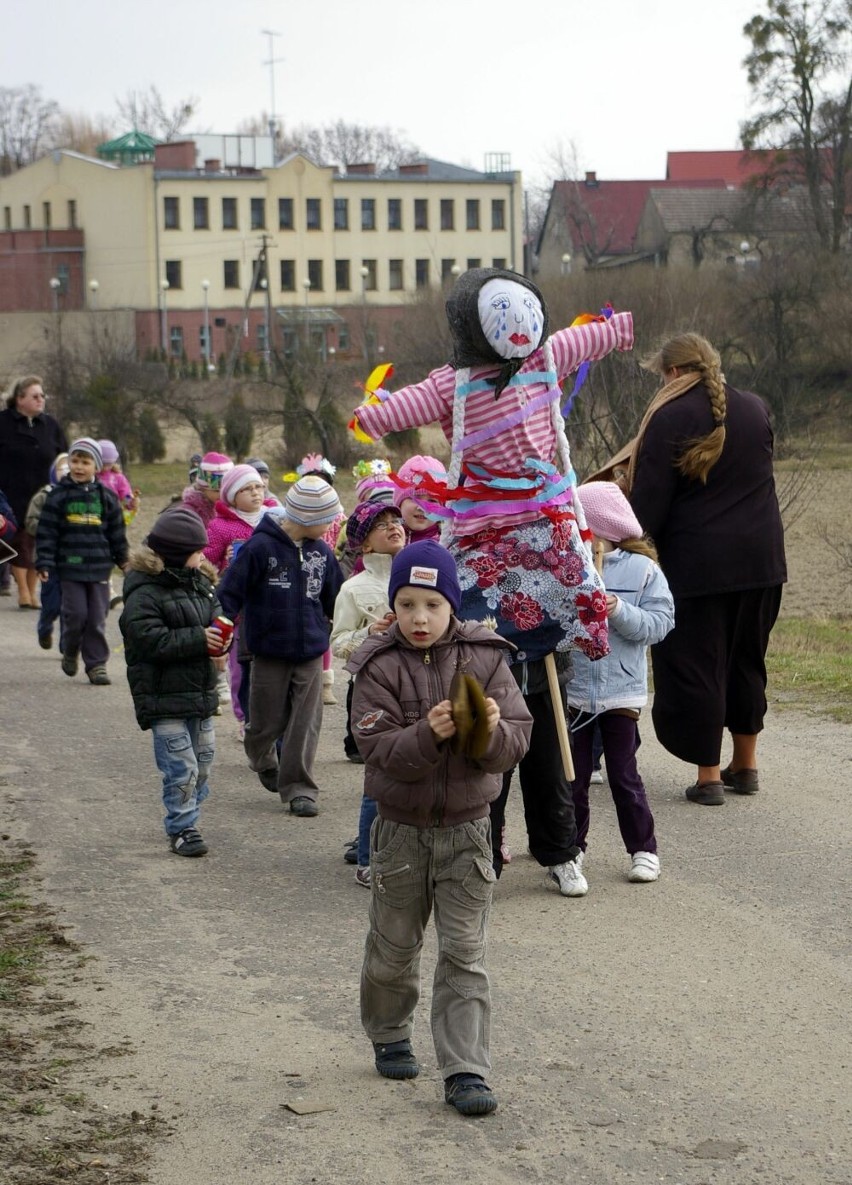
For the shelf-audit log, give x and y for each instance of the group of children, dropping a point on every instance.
(231, 552)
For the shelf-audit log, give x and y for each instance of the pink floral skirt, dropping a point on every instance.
(536, 581)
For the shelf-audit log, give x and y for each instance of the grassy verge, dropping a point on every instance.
(50, 1131)
(808, 665)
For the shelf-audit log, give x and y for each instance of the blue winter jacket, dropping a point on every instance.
(283, 592)
(644, 615)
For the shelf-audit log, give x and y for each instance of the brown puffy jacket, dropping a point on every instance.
(414, 777)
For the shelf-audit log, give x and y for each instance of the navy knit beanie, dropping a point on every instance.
(425, 565)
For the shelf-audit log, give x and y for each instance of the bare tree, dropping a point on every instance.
(27, 126)
(146, 111)
(343, 144)
(81, 132)
(798, 50)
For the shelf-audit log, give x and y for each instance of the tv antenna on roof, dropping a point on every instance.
(271, 63)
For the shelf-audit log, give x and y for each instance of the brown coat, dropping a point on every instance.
(414, 777)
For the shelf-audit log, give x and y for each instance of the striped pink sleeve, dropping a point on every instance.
(411, 407)
(582, 343)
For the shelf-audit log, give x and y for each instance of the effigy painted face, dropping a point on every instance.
(511, 317)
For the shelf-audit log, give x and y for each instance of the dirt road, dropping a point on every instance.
(691, 1032)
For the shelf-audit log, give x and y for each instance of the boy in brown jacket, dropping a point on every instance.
(430, 846)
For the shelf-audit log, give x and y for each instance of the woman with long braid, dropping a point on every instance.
(700, 481)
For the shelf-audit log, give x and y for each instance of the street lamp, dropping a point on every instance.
(263, 283)
(164, 318)
(566, 264)
(55, 285)
(205, 288)
(93, 289)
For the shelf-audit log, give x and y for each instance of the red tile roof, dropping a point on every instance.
(735, 167)
(605, 214)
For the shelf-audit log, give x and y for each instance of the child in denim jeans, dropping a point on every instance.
(430, 846)
(169, 607)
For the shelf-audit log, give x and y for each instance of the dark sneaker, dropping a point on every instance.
(394, 1059)
(188, 843)
(706, 793)
(114, 602)
(355, 758)
(305, 808)
(70, 664)
(350, 855)
(469, 1094)
(269, 778)
(744, 781)
(99, 676)
(45, 641)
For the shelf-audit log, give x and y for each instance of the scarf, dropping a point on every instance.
(622, 467)
(252, 517)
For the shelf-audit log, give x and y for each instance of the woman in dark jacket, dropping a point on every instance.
(29, 441)
(701, 483)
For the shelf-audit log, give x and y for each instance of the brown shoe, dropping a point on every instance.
(706, 793)
(744, 781)
(99, 677)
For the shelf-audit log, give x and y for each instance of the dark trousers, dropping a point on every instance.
(51, 606)
(710, 672)
(548, 802)
(84, 609)
(620, 737)
(349, 746)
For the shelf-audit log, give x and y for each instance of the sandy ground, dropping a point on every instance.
(694, 1031)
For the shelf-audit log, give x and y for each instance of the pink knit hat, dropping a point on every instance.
(237, 479)
(608, 512)
(213, 468)
(407, 472)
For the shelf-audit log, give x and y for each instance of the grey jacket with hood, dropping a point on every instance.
(414, 777)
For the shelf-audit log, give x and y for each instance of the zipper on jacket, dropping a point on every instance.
(440, 798)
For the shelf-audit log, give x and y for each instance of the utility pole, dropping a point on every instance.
(271, 63)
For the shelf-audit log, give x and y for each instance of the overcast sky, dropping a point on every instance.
(622, 81)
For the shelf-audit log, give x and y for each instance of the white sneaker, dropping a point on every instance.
(570, 879)
(597, 778)
(223, 688)
(644, 867)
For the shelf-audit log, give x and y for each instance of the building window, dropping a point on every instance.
(176, 341)
(288, 275)
(448, 214)
(45, 206)
(368, 213)
(72, 215)
(313, 213)
(259, 277)
(501, 263)
(395, 274)
(28, 218)
(229, 214)
(285, 213)
(200, 214)
(262, 343)
(369, 275)
(342, 275)
(174, 273)
(394, 213)
(63, 275)
(7, 217)
(289, 342)
(341, 213)
(315, 274)
(421, 273)
(498, 214)
(472, 213)
(474, 263)
(258, 213)
(447, 266)
(421, 214)
(231, 273)
(171, 213)
(343, 339)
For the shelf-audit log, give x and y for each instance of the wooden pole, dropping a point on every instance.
(558, 701)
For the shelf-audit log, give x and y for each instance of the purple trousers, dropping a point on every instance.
(620, 736)
(84, 611)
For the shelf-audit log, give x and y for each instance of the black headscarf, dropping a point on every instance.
(470, 345)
